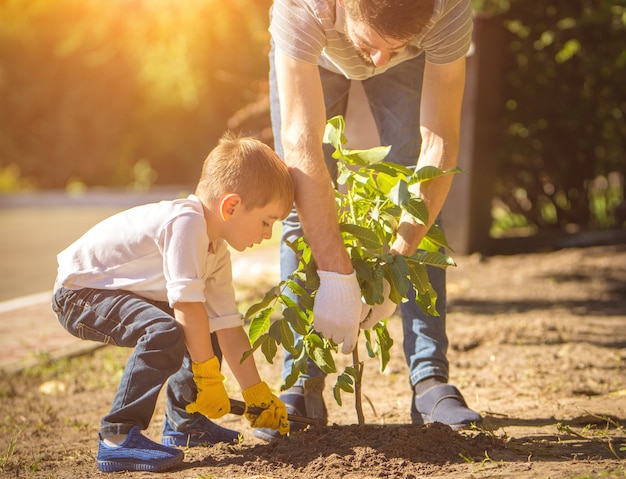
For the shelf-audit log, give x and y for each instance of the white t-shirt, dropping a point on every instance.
(312, 31)
(160, 251)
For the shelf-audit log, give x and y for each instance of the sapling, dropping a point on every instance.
(370, 197)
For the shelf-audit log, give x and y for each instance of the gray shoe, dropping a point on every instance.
(444, 404)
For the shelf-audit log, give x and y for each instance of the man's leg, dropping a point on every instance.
(395, 98)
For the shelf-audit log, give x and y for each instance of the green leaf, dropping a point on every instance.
(384, 342)
(392, 169)
(269, 349)
(429, 172)
(270, 296)
(373, 290)
(399, 194)
(396, 273)
(364, 235)
(365, 157)
(344, 383)
(259, 324)
(434, 239)
(333, 133)
(385, 182)
(319, 354)
(302, 359)
(433, 258)
(282, 334)
(418, 210)
(291, 378)
(426, 296)
(255, 346)
(297, 319)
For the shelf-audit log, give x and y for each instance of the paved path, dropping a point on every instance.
(34, 230)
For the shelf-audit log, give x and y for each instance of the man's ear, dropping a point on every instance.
(229, 204)
(341, 4)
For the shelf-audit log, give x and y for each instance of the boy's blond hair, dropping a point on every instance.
(249, 168)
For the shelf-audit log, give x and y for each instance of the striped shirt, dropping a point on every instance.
(312, 31)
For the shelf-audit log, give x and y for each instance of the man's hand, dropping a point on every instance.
(372, 314)
(212, 399)
(337, 308)
(274, 415)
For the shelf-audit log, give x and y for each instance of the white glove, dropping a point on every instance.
(337, 308)
(372, 314)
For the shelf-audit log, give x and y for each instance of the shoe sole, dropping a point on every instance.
(420, 421)
(172, 441)
(119, 466)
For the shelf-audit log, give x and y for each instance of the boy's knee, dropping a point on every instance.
(168, 337)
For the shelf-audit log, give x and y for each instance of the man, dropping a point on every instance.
(410, 57)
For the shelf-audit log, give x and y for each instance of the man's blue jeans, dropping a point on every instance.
(124, 319)
(394, 98)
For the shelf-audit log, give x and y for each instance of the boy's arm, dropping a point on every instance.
(256, 393)
(193, 318)
(211, 397)
(234, 342)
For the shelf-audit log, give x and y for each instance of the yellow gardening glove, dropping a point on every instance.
(275, 414)
(212, 399)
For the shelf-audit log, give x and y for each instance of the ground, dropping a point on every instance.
(537, 345)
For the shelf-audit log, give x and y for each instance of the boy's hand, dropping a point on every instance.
(275, 414)
(212, 399)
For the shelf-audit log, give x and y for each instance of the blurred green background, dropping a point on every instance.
(134, 93)
(123, 92)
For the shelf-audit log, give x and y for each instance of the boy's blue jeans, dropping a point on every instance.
(394, 98)
(125, 319)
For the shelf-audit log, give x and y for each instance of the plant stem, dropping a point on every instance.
(358, 403)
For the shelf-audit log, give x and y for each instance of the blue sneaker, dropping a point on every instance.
(137, 453)
(200, 431)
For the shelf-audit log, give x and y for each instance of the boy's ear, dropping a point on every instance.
(229, 203)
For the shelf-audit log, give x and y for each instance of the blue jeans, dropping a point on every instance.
(125, 319)
(394, 99)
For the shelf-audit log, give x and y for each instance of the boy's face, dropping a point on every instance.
(244, 228)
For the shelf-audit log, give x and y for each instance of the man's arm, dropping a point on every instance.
(440, 118)
(303, 121)
(337, 307)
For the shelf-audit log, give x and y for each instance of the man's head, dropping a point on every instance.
(381, 28)
(245, 182)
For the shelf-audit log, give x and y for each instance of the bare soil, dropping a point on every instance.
(537, 345)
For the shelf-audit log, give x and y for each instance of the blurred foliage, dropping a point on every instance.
(124, 92)
(136, 92)
(563, 155)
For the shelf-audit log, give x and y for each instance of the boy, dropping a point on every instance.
(158, 278)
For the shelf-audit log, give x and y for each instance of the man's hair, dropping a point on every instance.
(397, 19)
(249, 168)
